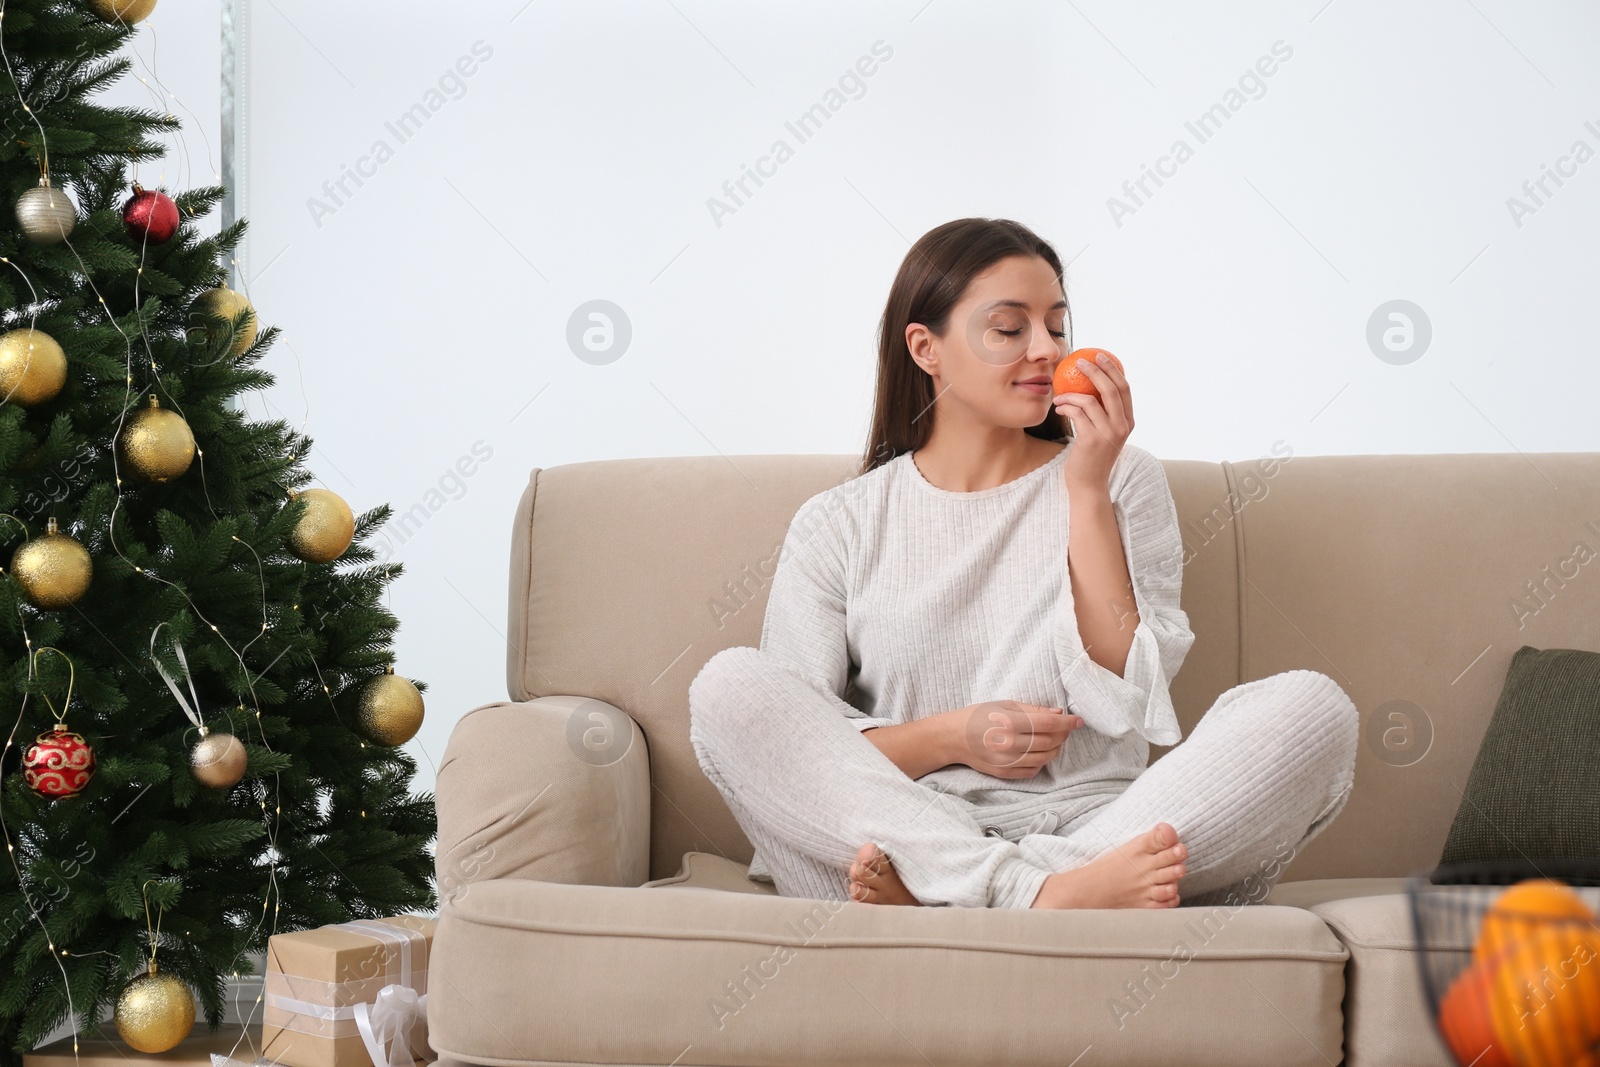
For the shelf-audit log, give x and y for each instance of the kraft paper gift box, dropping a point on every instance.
(349, 995)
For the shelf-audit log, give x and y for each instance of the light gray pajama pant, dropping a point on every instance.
(1266, 769)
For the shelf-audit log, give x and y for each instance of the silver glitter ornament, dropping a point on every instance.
(46, 214)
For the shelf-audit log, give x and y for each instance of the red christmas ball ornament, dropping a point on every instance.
(58, 764)
(150, 215)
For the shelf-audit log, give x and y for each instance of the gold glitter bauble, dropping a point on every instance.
(326, 527)
(218, 761)
(46, 214)
(218, 307)
(156, 443)
(53, 569)
(32, 367)
(389, 709)
(155, 1011)
(129, 11)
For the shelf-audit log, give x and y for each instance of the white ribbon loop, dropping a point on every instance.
(386, 1025)
(191, 710)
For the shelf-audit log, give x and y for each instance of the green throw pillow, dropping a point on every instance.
(1531, 804)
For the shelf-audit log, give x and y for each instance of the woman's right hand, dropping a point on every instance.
(1007, 738)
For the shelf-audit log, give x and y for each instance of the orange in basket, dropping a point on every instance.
(1069, 378)
(1544, 1000)
(1465, 1019)
(1532, 904)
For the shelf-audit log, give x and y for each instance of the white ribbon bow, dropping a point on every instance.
(386, 1024)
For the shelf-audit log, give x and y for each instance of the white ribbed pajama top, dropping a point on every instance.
(930, 600)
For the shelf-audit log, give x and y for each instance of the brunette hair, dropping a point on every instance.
(931, 280)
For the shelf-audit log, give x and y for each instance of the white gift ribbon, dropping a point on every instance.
(388, 1023)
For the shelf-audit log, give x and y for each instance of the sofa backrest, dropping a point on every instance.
(1409, 579)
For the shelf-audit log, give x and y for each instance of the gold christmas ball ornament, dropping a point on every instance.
(46, 214)
(32, 367)
(156, 443)
(125, 11)
(155, 1011)
(218, 761)
(53, 569)
(389, 709)
(217, 308)
(326, 527)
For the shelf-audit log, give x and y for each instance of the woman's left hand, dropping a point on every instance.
(1100, 424)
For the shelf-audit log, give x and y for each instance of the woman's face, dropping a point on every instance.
(1007, 328)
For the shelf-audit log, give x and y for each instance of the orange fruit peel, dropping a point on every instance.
(1527, 906)
(1069, 378)
(1466, 1017)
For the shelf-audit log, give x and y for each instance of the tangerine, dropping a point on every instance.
(1068, 378)
(1465, 1019)
(1544, 1000)
(1527, 906)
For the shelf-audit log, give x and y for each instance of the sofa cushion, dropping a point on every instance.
(1312, 891)
(702, 976)
(1386, 1014)
(1531, 791)
(1384, 1004)
(702, 870)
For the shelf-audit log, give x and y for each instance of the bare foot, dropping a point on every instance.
(1141, 873)
(873, 879)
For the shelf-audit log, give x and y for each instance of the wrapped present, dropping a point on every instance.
(349, 995)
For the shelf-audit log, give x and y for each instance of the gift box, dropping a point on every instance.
(349, 995)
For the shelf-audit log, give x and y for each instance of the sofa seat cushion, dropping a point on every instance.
(526, 972)
(702, 870)
(1386, 1011)
(1384, 993)
(1313, 891)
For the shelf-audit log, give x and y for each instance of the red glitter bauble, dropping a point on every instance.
(58, 764)
(150, 215)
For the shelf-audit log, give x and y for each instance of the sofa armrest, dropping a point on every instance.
(555, 789)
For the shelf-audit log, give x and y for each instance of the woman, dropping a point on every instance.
(1007, 690)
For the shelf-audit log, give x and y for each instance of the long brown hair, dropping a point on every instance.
(931, 281)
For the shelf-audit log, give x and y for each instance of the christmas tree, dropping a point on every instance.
(196, 657)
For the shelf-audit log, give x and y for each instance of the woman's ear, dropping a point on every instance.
(920, 344)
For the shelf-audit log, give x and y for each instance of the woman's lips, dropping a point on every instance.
(1036, 388)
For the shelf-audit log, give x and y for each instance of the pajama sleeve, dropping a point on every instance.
(805, 620)
(1139, 700)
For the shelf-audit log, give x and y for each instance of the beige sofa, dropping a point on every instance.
(594, 903)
